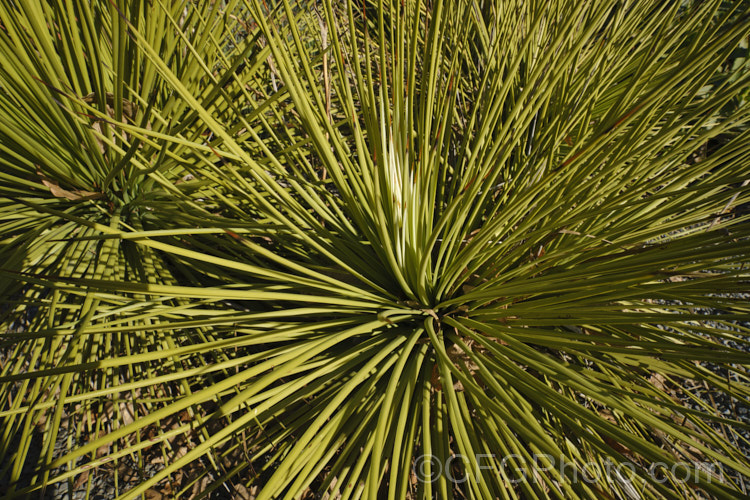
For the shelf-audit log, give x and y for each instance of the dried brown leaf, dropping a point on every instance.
(57, 191)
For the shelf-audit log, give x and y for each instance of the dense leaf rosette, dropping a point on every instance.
(413, 249)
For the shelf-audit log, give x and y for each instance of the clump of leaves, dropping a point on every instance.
(376, 249)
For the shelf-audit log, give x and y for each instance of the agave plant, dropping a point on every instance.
(408, 249)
